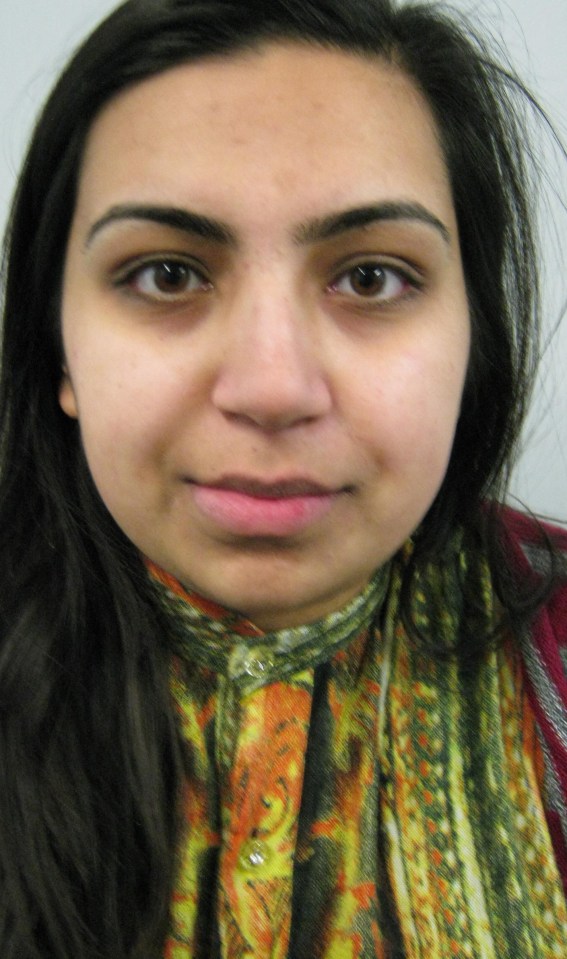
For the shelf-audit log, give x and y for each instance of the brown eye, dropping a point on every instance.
(165, 280)
(170, 277)
(373, 281)
(369, 280)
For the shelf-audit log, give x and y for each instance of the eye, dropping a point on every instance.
(165, 280)
(376, 282)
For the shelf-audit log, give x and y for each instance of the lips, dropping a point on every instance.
(271, 490)
(249, 506)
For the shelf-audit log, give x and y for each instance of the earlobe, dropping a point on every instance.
(67, 400)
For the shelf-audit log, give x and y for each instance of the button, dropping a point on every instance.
(254, 853)
(256, 666)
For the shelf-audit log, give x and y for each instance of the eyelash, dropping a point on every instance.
(133, 272)
(410, 281)
(131, 276)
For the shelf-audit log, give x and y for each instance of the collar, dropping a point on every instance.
(221, 640)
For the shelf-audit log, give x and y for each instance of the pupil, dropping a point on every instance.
(169, 276)
(368, 279)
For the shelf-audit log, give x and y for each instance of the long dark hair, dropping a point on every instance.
(92, 763)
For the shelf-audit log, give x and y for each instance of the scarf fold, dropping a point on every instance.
(223, 641)
(359, 798)
(469, 854)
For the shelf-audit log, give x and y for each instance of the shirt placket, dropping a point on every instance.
(262, 743)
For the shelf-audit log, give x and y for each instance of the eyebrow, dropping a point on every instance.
(310, 232)
(330, 226)
(193, 223)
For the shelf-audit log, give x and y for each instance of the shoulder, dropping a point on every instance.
(540, 548)
(532, 534)
(537, 546)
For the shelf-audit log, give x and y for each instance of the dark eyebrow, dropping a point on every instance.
(313, 231)
(178, 219)
(330, 226)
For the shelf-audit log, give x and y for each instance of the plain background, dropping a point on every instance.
(36, 37)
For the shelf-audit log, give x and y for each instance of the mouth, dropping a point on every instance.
(248, 506)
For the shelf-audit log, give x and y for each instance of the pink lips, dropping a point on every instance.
(250, 507)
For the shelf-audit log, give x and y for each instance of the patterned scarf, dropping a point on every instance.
(351, 796)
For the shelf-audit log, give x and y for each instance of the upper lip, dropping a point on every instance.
(271, 489)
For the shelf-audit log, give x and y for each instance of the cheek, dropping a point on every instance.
(408, 409)
(120, 402)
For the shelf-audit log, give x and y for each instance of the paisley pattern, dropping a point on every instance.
(375, 803)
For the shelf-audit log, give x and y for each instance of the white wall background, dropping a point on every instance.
(36, 36)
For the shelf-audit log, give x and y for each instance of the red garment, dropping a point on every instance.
(544, 650)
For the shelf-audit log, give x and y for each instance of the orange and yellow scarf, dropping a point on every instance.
(351, 796)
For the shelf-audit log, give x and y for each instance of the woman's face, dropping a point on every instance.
(265, 323)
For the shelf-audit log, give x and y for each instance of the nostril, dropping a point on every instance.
(273, 396)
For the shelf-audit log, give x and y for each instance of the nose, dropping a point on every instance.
(272, 372)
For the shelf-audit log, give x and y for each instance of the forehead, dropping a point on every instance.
(309, 125)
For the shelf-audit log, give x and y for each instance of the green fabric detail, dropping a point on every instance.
(395, 794)
(253, 661)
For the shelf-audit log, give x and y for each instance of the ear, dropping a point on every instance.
(67, 398)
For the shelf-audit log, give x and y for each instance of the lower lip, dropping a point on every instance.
(247, 515)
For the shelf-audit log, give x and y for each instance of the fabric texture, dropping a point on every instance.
(544, 663)
(350, 796)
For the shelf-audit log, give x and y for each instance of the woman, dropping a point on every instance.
(279, 676)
